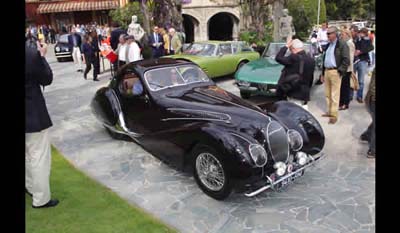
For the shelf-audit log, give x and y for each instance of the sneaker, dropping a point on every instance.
(51, 203)
(370, 154)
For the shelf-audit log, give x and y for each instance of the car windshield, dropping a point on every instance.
(200, 49)
(163, 78)
(63, 38)
(273, 49)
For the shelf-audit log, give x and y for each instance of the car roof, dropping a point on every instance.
(142, 66)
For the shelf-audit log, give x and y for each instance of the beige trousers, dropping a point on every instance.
(77, 56)
(37, 166)
(332, 91)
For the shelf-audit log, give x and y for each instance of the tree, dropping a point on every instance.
(167, 13)
(305, 14)
(346, 9)
(124, 15)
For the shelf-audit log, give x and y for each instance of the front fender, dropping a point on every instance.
(295, 117)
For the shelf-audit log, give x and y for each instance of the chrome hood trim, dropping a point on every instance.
(193, 114)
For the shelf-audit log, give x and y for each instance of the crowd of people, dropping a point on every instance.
(347, 56)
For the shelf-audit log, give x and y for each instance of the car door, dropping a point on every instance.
(140, 114)
(226, 59)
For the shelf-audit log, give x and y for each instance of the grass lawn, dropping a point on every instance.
(86, 207)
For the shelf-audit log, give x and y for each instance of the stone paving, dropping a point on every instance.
(336, 196)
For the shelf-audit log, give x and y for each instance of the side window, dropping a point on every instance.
(225, 49)
(235, 48)
(130, 85)
(246, 47)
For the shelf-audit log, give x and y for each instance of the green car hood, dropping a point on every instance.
(263, 70)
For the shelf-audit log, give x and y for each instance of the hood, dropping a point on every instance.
(263, 70)
(215, 104)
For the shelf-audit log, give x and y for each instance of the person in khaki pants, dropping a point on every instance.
(37, 121)
(335, 63)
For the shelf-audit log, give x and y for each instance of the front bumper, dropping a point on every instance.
(63, 54)
(257, 88)
(272, 184)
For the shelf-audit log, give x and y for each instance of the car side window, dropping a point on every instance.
(225, 49)
(246, 48)
(235, 48)
(130, 85)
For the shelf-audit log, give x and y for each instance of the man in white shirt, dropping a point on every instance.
(121, 50)
(322, 36)
(132, 49)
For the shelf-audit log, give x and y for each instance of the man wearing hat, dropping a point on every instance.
(294, 83)
(335, 63)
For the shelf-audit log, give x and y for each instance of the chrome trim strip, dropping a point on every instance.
(70, 53)
(63, 56)
(272, 184)
(185, 110)
(190, 118)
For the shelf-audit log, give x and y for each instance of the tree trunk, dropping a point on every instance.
(166, 14)
(146, 15)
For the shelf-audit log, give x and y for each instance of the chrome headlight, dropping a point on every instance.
(295, 139)
(243, 83)
(280, 168)
(301, 158)
(258, 154)
(57, 49)
(277, 140)
(66, 49)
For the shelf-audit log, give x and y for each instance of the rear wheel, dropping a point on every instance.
(242, 63)
(211, 172)
(245, 95)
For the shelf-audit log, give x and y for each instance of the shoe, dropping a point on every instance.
(51, 203)
(359, 100)
(84, 76)
(318, 82)
(364, 138)
(343, 107)
(27, 192)
(332, 120)
(370, 154)
(326, 115)
(96, 79)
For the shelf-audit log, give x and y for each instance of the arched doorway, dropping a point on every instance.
(222, 26)
(190, 24)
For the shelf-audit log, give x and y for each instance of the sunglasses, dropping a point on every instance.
(329, 33)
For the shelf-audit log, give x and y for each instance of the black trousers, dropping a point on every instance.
(345, 90)
(120, 63)
(92, 60)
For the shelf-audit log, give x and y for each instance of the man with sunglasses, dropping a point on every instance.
(335, 63)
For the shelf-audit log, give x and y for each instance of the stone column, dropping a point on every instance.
(235, 29)
(203, 31)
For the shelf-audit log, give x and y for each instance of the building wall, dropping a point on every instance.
(203, 10)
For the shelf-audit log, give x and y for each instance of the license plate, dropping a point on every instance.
(290, 180)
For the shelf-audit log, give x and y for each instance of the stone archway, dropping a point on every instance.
(191, 27)
(223, 26)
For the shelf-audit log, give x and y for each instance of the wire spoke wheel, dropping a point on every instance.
(210, 171)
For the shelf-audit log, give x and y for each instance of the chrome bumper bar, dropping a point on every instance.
(273, 183)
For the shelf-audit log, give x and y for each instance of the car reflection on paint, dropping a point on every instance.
(173, 110)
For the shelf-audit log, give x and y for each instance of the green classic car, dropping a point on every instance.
(218, 58)
(260, 77)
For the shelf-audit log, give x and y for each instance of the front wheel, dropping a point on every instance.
(211, 172)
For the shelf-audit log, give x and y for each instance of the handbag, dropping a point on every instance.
(354, 81)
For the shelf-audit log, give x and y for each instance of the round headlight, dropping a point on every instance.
(295, 139)
(280, 168)
(57, 49)
(301, 158)
(243, 83)
(258, 154)
(66, 49)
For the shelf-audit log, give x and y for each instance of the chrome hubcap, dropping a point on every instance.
(210, 171)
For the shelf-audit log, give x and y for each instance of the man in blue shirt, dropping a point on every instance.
(335, 63)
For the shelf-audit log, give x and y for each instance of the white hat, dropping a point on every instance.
(297, 44)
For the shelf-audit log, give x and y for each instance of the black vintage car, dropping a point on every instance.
(62, 49)
(178, 114)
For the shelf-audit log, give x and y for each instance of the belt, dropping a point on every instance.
(333, 68)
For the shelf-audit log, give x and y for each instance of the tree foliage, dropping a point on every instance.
(350, 9)
(124, 14)
(167, 13)
(305, 15)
